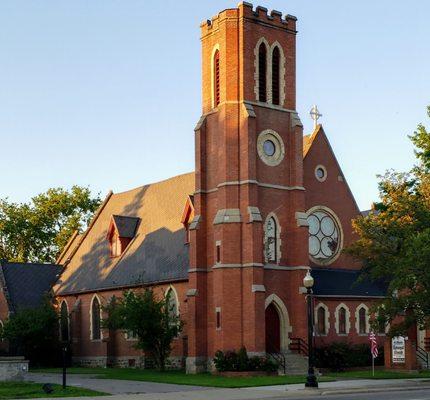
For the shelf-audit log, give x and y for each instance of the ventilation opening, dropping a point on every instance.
(216, 79)
(262, 69)
(275, 76)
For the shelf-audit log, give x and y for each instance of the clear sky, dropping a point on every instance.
(106, 93)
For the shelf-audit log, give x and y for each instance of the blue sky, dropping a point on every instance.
(106, 93)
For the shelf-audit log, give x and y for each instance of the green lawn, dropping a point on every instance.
(179, 377)
(379, 374)
(28, 390)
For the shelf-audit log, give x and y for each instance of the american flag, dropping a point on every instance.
(373, 344)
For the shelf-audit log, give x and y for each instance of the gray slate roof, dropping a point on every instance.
(157, 251)
(27, 284)
(344, 283)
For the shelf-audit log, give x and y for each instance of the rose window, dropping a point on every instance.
(324, 236)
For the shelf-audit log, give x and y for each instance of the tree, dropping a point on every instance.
(37, 231)
(34, 333)
(152, 320)
(394, 241)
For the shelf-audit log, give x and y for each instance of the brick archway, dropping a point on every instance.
(277, 319)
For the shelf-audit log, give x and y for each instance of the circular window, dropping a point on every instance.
(325, 235)
(270, 147)
(320, 173)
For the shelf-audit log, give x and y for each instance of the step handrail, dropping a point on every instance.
(423, 355)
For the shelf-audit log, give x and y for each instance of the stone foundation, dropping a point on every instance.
(13, 368)
(174, 363)
(195, 365)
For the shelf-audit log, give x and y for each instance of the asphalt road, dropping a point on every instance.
(411, 394)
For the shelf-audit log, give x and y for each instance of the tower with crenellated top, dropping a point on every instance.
(247, 253)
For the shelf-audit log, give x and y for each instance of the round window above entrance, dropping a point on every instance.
(325, 235)
(270, 147)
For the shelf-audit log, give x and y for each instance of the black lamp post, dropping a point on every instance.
(311, 380)
(64, 351)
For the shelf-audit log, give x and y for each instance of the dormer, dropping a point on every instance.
(120, 233)
(187, 217)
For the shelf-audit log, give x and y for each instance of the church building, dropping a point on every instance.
(233, 240)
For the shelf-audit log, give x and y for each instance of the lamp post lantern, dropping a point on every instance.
(311, 380)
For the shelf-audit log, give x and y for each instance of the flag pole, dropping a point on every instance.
(373, 366)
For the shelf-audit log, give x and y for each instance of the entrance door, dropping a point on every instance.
(273, 330)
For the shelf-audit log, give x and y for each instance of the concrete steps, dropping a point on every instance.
(291, 363)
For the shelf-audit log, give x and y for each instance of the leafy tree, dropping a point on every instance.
(34, 333)
(394, 241)
(152, 320)
(37, 231)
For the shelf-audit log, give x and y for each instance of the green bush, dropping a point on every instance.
(239, 361)
(339, 356)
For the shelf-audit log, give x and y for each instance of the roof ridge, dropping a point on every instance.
(154, 183)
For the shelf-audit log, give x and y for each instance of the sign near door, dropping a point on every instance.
(398, 350)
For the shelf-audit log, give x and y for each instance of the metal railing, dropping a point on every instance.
(300, 346)
(278, 357)
(423, 356)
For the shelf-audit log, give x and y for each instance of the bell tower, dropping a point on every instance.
(248, 239)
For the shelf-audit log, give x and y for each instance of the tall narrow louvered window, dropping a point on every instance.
(275, 75)
(216, 76)
(262, 70)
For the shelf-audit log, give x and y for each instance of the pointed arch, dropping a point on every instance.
(284, 318)
(322, 319)
(95, 318)
(172, 294)
(215, 76)
(362, 319)
(276, 75)
(261, 68)
(272, 239)
(64, 321)
(343, 319)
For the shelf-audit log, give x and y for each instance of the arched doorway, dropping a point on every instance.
(273, 330)
(277, 325)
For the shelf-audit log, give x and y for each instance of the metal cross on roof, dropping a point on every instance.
(315, 115)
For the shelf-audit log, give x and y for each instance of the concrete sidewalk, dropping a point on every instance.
(342, 386)
(159, 391)
(111, 386)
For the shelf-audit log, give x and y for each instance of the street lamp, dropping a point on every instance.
(311, 380)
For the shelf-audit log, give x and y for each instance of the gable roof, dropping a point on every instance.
(69, 247)
(26, 284)
(344, 283)
(157, 251)
(320, 134)
(126, 226)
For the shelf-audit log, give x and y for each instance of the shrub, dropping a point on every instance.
(339, 356)
(239, 361)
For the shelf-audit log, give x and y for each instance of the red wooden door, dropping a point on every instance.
(273, 330)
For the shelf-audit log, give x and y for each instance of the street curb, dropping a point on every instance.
(373, 390)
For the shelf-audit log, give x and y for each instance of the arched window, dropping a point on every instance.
(362, 321)
(173, 302)
(271, 240)
(216, 79)
(342, 321)
(262, 71)
(96, 333)
(64, 322)
(275, 75)
(321, 326)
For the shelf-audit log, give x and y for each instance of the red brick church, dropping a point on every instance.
(233, 240)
